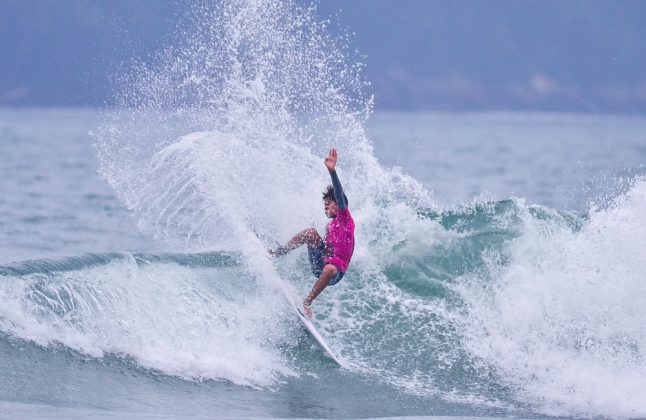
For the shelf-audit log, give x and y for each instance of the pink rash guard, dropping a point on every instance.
(339, 240)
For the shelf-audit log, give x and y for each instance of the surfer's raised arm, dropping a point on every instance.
(330, 256)
(339, 196)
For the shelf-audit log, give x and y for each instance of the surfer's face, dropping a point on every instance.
(330, 208)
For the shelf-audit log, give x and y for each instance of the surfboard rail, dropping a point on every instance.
(307, 323)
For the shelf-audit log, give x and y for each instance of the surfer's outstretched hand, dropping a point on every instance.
(330, 160)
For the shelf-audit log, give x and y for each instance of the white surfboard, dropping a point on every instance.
(310, 327)
(316, 335)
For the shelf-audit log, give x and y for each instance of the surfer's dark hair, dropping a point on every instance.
(328, 194)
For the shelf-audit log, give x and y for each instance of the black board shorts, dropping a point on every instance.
(315, 257)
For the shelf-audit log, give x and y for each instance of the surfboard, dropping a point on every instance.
(314, 333)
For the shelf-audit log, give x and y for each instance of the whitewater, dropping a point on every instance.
(499, 264)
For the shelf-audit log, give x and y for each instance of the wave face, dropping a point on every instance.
(157, 310)
(218, 144)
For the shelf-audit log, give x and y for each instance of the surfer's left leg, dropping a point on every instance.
(308, 236)
(330, 272)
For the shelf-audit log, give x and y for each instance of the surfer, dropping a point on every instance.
(329, 257)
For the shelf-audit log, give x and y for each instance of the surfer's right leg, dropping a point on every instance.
(309, 236)
(328, 273)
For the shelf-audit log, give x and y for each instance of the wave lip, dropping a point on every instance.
(46, 265)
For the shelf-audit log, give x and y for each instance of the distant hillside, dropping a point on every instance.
(575, 55)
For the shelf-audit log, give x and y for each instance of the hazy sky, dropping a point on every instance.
(574, 55)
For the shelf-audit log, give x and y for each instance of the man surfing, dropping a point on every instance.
(329, 257)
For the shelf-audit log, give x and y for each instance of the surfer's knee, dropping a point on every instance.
(310, 231)
(312, 236)
(330, 270)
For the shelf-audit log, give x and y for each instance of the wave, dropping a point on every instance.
(217, 144)
(193, 316)
(493, 303)
(558, 313)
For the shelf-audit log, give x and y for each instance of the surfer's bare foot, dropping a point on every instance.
(307, 308)
(278, 252)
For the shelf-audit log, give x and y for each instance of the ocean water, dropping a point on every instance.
(498, 269)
